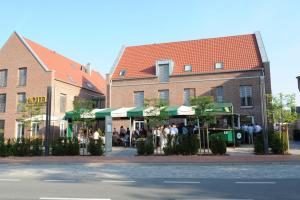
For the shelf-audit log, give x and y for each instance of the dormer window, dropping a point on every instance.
(89, 85)
(122, 72)
(164, 69)
(187, 68)
(219, 65)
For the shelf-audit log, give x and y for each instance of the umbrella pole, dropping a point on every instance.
(130, 129)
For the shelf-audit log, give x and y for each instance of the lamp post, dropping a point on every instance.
(298, 82)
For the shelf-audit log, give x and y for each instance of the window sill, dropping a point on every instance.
(247, 107)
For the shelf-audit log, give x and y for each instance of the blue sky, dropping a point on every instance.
(94, 31)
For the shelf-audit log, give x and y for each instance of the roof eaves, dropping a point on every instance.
(32, 52)
(116, 62)
(261, 47)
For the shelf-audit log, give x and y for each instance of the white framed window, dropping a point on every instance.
(62, 129)
(219, 65)
(187, 68)
(20, 129)
(246, 95)
(35, 129)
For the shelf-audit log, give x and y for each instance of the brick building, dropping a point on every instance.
(232, 69)
(26, 69)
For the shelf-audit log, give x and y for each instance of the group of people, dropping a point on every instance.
(121, 138)
(250, 132)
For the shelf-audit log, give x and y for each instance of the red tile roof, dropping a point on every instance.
(68, 70)
(235, 52)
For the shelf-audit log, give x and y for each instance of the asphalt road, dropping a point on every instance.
(149, 181)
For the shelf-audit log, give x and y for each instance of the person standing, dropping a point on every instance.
(173, 130)
(245, 130)
(96, 136)
(250, 133)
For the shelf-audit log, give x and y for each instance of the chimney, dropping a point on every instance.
(89, 68)
(298, 83)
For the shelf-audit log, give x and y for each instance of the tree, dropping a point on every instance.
(83, 107)
(282, 110)
(32, 111)
(156, 114)
(203, 104)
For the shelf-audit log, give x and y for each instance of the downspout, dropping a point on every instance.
(264, 112)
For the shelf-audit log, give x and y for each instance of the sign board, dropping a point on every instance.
(36, 100)
(108, 133)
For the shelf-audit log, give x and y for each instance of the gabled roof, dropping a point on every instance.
(66, 69)
(235, 52)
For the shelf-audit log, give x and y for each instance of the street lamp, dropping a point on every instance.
(298, 82)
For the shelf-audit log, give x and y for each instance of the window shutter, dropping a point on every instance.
(139, 99)
(164, 95)
(164, 73)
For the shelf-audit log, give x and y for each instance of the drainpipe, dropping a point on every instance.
(264, 112)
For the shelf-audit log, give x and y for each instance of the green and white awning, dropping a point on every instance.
(127, 112)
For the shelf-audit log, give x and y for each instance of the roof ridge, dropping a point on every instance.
(211, 38)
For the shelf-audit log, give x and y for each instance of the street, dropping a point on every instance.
(149, 181)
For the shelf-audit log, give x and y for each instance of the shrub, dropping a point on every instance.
(140, 146)
(259, 144)
(58, 147)
(96, 147)
(145, 146)
(182, 144)
(21, 147)
(64, 146)
(36, 147)
(296, 135)
(3, 149)
(217, 143)
(72, 147)
(279, 143)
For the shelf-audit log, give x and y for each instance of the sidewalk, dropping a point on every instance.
(152, 159)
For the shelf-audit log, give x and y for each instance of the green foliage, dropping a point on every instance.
(278, 143)
(96, 147)
(145, 146)
(36, 147)
(31, 112)
(140, 146)
(58, 147)
(282, 108)
(202, 104)
(217, 143)
(259, 144)
(65, 147)
(296, 135)
(156, 115)
(3, 149)
(182, 144)
(21, 147)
